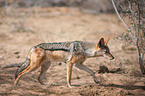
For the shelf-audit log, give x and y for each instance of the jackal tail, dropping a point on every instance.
(22, 67)
(12, 65)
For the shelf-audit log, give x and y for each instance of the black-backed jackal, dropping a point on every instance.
(71, 52)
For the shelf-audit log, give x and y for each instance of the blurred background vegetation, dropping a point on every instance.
(90, 6)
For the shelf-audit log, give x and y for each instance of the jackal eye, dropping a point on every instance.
(106, 52)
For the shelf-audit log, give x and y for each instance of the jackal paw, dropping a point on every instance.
(41, 82)
(15, 83)
(70, 86)
(96, 80)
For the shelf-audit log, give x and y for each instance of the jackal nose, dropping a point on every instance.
(112, 57)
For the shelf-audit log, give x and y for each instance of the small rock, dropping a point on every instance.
(78, 77)
(18, 56)
(59, 63)
(103, 69)
(16, 52)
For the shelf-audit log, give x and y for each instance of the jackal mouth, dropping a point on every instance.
(110, 58)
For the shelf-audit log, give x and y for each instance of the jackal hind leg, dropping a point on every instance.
(36, 59)
(83, 67)
(27, 70)
(44, 67)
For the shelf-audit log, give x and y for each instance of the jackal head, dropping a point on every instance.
(103, 50)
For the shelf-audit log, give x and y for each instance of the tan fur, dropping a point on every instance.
(57, 56)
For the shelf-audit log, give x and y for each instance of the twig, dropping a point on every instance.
(129, 30)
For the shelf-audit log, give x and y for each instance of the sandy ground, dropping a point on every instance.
(18, 33)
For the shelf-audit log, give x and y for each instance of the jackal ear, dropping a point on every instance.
(106, 40)
(100, 43)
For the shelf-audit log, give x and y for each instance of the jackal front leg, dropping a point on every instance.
(69, 74)
(83, 67)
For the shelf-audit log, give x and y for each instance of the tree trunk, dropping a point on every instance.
(140, 61)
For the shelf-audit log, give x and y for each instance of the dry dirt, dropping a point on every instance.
(19, 32)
